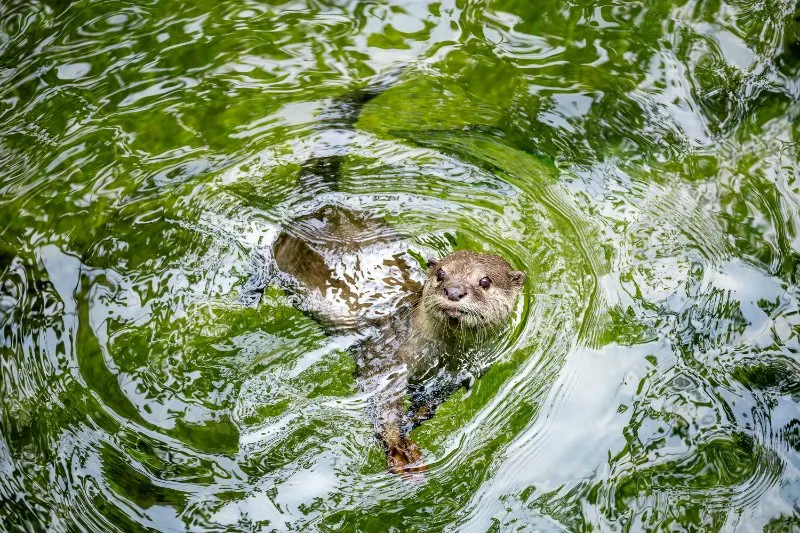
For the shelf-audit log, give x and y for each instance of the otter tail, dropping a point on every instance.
(338, 118)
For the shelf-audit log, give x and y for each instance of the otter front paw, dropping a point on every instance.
(402, 458)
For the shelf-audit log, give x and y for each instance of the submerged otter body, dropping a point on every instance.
(354, 274)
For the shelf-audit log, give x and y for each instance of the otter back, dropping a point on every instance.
(346, 268)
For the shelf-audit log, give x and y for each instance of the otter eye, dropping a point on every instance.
(485, 282)
(439, 275)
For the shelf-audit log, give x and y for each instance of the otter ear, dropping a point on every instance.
(432, 262)
(517, 277)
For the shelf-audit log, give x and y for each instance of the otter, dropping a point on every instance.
(352, 272)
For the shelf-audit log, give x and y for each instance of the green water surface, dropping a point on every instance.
(639, 160)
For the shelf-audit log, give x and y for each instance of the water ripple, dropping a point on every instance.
(637, 161)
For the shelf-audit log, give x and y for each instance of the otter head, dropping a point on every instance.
(469, 290)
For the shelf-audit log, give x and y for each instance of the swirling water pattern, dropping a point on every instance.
(638, 160)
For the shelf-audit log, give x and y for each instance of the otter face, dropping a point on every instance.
(471, 290)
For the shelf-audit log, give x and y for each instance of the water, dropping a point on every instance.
(639, 161)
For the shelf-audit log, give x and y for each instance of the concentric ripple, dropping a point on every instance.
(639, 162)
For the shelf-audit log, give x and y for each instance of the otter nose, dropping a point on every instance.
(454, 293)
